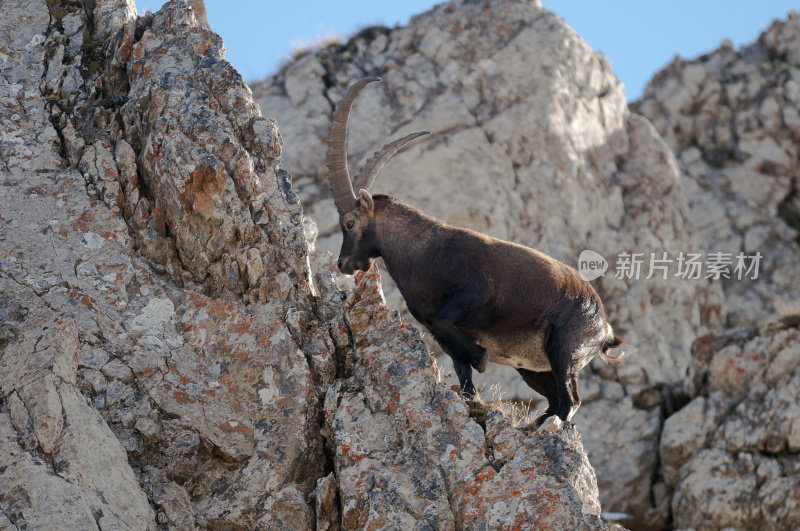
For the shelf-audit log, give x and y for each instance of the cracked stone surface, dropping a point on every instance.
(417, 460)
(532, 142)
(731, 457)
(168, 359)
(732, 117)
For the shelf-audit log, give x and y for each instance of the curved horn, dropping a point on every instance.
(366, 177)
(338, 176)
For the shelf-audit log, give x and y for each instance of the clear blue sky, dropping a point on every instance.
(639, 37)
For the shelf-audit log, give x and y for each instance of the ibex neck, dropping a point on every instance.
(399, 228)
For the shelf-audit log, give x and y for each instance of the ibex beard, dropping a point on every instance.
(483, 299)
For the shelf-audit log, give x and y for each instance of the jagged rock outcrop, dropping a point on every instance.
(407, 454)
(733, 120)
(167, 357)
(731, 456)
(533, 142)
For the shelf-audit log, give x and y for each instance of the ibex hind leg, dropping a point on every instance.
(543, 383)
(559, 348)
(573, 389)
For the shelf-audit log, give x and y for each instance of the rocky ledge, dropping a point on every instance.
(168, 358)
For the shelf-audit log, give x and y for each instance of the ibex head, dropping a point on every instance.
(356, 212)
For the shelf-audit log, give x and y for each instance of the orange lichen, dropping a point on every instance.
(236, 426)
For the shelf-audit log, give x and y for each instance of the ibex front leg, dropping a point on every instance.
(464, 350)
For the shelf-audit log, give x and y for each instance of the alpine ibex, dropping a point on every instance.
(482, 298)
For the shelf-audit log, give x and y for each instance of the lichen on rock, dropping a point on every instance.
(168, 358)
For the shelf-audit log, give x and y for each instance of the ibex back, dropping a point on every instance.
(482, 298)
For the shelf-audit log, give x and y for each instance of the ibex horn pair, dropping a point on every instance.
(342, 186)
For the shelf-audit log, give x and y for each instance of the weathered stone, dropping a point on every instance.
(174, 501)
(117, 369)
(684, 434)
(31, 495)
(734, 447)
(325, 504)
(553, 161)
(626, 473)
(64, 244)
(41, 399)
(743, 187)
(21, 420)
(398, 433)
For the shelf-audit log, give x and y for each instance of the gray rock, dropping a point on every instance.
(398, 434)
(533, 142)
(118, 370)
(731, 117)
(735, 132)
(731, 453)
(626, 474)
(32, 495)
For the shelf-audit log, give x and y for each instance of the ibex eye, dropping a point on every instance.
(349, 224)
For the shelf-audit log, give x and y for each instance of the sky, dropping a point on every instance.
(639, 37)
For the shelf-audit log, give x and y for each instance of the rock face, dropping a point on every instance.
(733, 121)
(167, 357)
(533, 142)
(731, 455)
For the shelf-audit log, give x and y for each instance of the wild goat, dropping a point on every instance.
(482, 298)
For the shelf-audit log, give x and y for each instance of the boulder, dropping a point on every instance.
(731, 457)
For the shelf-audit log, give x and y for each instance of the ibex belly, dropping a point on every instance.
(525, 349)
(522, 349)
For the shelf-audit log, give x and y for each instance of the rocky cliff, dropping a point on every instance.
(730, 457)
(533, 142)
(168, 357)
(732, 119)
(175, 354)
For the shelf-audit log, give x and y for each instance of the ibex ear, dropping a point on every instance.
(366, 201)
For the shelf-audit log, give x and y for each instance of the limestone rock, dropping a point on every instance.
(730, 116)
(167, 358)
(732, 452)
(398, 434)
(626, 473)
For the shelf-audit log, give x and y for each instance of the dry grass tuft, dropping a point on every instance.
(519, 413)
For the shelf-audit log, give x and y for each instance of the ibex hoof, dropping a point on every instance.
(551, 424)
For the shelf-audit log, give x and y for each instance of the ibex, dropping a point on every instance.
(482, 298)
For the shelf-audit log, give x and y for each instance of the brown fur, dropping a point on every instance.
(483, 298)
